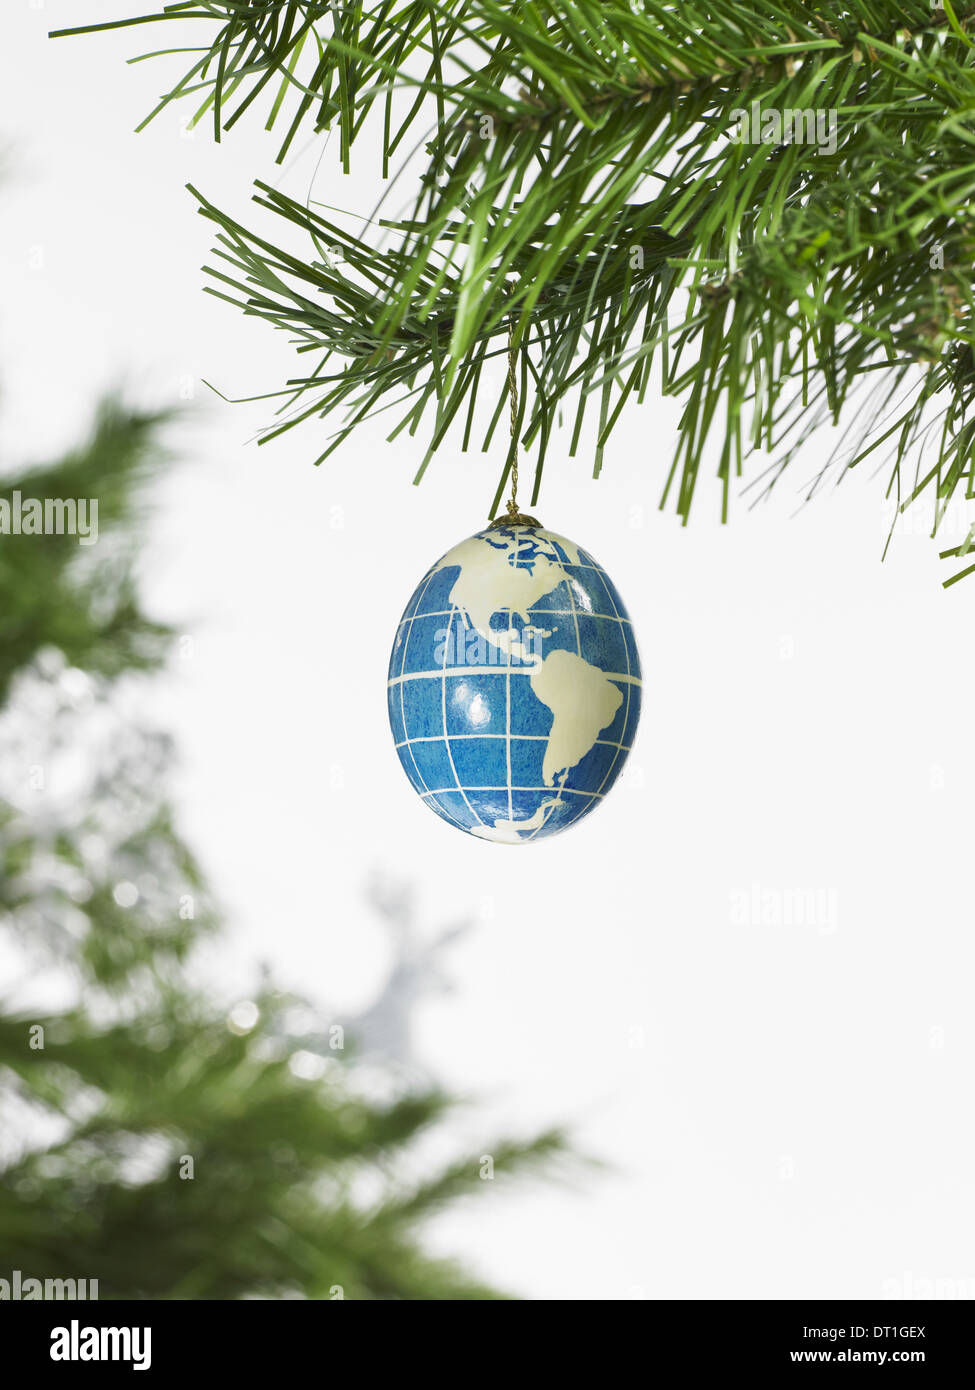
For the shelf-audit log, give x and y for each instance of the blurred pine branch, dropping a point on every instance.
(57, 594)
(303, 1182)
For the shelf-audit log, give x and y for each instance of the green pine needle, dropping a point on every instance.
(581, 185)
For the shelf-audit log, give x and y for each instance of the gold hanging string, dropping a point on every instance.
(513, 398)
(513, 517)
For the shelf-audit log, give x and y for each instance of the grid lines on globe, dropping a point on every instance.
(443, 697)
(626, 639)
(419, 784)
(471, 726)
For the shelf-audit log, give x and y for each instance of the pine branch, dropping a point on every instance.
(278, 1200)
(581, 184)
(55, 595)
(333, 58)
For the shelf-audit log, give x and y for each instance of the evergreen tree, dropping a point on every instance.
(153, 1137)
(762, 209)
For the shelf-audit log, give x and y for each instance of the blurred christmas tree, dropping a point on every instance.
(152, 1139)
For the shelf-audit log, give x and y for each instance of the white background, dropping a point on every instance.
(785, 1109)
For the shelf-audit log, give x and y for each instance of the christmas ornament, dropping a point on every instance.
(514, 681)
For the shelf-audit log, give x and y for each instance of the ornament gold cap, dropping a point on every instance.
(515, 519)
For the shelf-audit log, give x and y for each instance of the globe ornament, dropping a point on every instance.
(514, 684)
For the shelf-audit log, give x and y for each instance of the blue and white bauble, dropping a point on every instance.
(514, 684)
